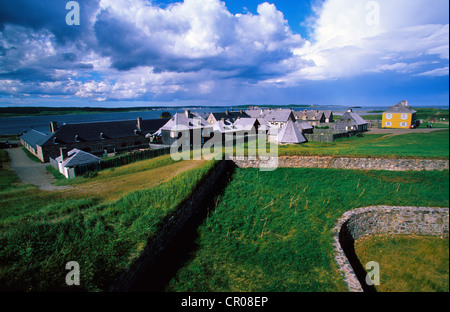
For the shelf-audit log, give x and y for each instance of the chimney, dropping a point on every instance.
(241, 111)
(139, 123)
(53, 126)
(64, 154)
(226, 112)
(349, 110)
(187, 112)
(405, 103)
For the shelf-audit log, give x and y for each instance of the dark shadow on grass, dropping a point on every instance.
(175, 245)
(348, 246)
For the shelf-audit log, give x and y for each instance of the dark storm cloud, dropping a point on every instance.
(49, 15)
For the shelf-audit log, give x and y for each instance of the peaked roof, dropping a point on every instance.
(327, 113)
(247, 124)
(312, 114)
(186, 119)
(278, 115)
(34, 137)
(233, 116)
(290, 134)
(77, 157)
(223, 127)
(254, 113)
(400, 108)
(355, 118)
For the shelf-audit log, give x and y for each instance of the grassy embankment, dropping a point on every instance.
(272, 231)
(414, 145)
(103, 223)
(408, 263)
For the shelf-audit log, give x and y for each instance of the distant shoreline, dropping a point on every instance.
(31, 111)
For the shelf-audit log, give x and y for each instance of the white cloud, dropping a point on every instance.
(346, 42)
(197, 48)
(443, 71)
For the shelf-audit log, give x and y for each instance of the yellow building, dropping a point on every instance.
(400, 116)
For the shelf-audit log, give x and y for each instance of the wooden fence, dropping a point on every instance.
(328, 135)
(133, 157)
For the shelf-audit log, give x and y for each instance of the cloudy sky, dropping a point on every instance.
(231, 52)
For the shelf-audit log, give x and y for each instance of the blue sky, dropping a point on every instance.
(232, 52)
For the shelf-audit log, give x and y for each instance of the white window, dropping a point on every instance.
(388, 116)
(404, 116)
(388, 123)
(403, 124)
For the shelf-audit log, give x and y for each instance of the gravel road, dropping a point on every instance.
(31, 172)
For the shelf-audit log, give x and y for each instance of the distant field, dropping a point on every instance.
(429, 145)
(408, 263)
(102, 222)
(272, 231)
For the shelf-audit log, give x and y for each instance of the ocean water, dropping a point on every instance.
(17, 125)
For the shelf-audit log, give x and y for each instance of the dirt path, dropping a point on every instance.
(31, 172)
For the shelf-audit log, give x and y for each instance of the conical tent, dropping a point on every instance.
(290, 134)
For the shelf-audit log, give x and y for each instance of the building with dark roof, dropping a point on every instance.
(351, 121)
(314, 117)
(229, 116)
(32, 140)
(92, 137)
(185, 129)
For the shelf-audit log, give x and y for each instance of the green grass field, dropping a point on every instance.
(272, 231)
(415, 145)
(408, 263)
(102, 223)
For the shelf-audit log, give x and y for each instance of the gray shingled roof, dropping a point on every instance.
(303, 125)
(310, 114)
(189, 120)
(34, 137)
(229, 115)
(254, 113)
(277, 115)
(290, 134)
(271, 115)
(354, 117)
(400, 108)
(246, 124)
(77, 157)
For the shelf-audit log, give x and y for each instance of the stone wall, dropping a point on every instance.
(362, 163)
(357, 223)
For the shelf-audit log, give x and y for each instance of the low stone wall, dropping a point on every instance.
(357, 223)
(361, 163)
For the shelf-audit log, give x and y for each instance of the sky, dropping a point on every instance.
(224, 53)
